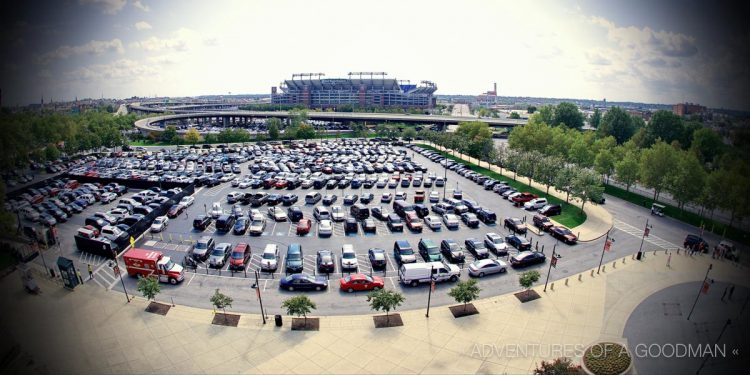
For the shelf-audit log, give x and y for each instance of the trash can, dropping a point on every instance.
(277, 318)
(639, 255)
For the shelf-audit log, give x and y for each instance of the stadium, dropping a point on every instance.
(360, 89)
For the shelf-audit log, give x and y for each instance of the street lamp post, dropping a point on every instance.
(119, 273)
(646, 230)
(700, 290)
(607, 244)
(429, 296)
(552, 262)
(256, 286)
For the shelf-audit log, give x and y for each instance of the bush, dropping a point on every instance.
(606, 358)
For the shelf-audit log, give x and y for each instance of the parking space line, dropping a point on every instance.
(191, 279)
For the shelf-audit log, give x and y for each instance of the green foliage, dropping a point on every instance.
(530, 109)
(169, 135)
(51, 152)
(617, 123)
(559, 366)
(658, 164)
(514, 116)
(385, 300)
(707, 146)
(688, 179)
(409, 133)
(305, 131)
(221, 301)
(568, 114)
(528, 278)
(587, 186)
(604, 163)
(666, 126)
(596, 118)
(465, 291)
(274, 126)
(232, 135)
(628, 168)
(299, 306)
(192, 136)
(149, 287)
(607, 358)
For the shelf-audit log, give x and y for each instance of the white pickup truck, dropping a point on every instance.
(416, 273)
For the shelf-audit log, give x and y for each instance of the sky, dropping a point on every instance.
(643, 51)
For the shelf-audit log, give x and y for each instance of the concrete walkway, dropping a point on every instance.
(598, 220)
(93, 331)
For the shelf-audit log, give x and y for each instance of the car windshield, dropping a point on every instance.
(293, 256)
(257, 223)
(432, 250)
(217, 251)
(325, 258)
(269, 256)
(201, 246)
(407, 251)
(479, 245)
(497, 240)
(565, 231)
(349, 255)
(238, 255)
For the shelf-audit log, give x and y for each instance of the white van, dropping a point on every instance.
(313, 197)
(416, 273)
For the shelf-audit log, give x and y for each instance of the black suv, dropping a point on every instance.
(452, 251)
(395, 224)
(695, 242)
(201, 222)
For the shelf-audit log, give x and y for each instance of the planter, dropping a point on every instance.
(460, 310)
(607, 358)
(302, 324)
(158, 308)
(527, 295)
(229, 320)
(393, 320)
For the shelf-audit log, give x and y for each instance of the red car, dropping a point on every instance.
(303, 227)
(419, 196)
(239, 257)
(524, 197)
(563, 234)
(175, 211)
(281, 184)
(360, 282)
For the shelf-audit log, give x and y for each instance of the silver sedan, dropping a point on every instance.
(486, 267)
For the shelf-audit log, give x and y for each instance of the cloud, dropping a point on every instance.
(154, 44)
(647, 40)
(139, 4)
(107, 6)
(94, 47)
(210, 42)
(122, 69)
(142, 25)
(597, 57)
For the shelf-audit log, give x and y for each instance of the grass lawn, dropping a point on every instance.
(571, 216)
(685, 216)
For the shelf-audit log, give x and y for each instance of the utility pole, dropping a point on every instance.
(552, 262)
(702, 288)
(432, 286)
(119, 273)
(256, 286)
(607, 245)
(646, 230)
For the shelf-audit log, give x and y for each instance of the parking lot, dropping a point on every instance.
(179, 237)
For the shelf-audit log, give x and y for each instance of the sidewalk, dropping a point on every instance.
(598, 220)
(93, 331)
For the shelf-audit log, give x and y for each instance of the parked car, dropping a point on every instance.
(551, 210)
(518, 242)
(348, 258)
(403, 252)
(239, 257)
(451, 251)
(433, 222)
(294, 213)
(289, 199)
(350, 225)
(563, 234)
(495, 243)
(203, 248)
(477, 248)
(175, 211)
(542, 222)
(257, 225)
(450, 221)
(535, 204)
(693, 241)
(527, 258)
(201, 222)
(277, 214)
(470, 220)
(329, 199)
(515, 225)
(483, 267)
(270, 258)
(303, 227)
(429, 250)
(159, 224)
(295, 261)
(218, 256)
(325, 228)
(394, 223)
(324, 261)
(304, 282)
(368, 226)
(241, 225)
(358, 282)
(376, 257)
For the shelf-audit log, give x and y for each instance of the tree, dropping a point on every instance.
(604, 163)
(559, 366)
(664, 125)
(297, 117)
(211, 138)
(274, 126)
(580, 153)
(306, 131)
(530, 109)
(545, 115)
(688, 180)
(707, 146)
(299, 305)
(149, 287)
(568, 114)
(564, 180)
(170, 135)
(627, 169)
(381, 130)
(385, 300)
(617, 123)
(51, 152)
(529, 164)
(465, 291)
(221, 301)
(192, 136)
(658, 164)
(359, 130)
(409, 133)
(596, 118)
(528, 278)
(587, 186)
(547, 170)
(514, 116)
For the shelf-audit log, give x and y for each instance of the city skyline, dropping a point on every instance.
(642, 52)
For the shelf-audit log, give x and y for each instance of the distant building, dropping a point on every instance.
(489, 97)
(363, 89)
(685, 109)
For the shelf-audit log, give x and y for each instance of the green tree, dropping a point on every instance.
(211, 138)
(514, 116)
(528, 278)
(192, 136)
(51, 152)
(658, 164)
(707, 145)
(617, 123)
(580, 153)
(465, 292)
(409, 133)
(547, 168)
(169, 135)
(564, 180)
(221, 301)
(688, 180)
(587, 186)
(297, 117)
(149, 287)
(530, 109)
(664, 125)
(359, 130)
(306, 131)
(381, 130)
(299, 305)
(385, 300)
(274, 126)
(568, 114)
(604, 163)
(627, 169)
(546, 115)
(596, 118)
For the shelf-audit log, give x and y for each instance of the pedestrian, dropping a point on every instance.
(725, 294)
(91, 272)
(669, 260)
(186, 214)
(731, 291)
(80, 278)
